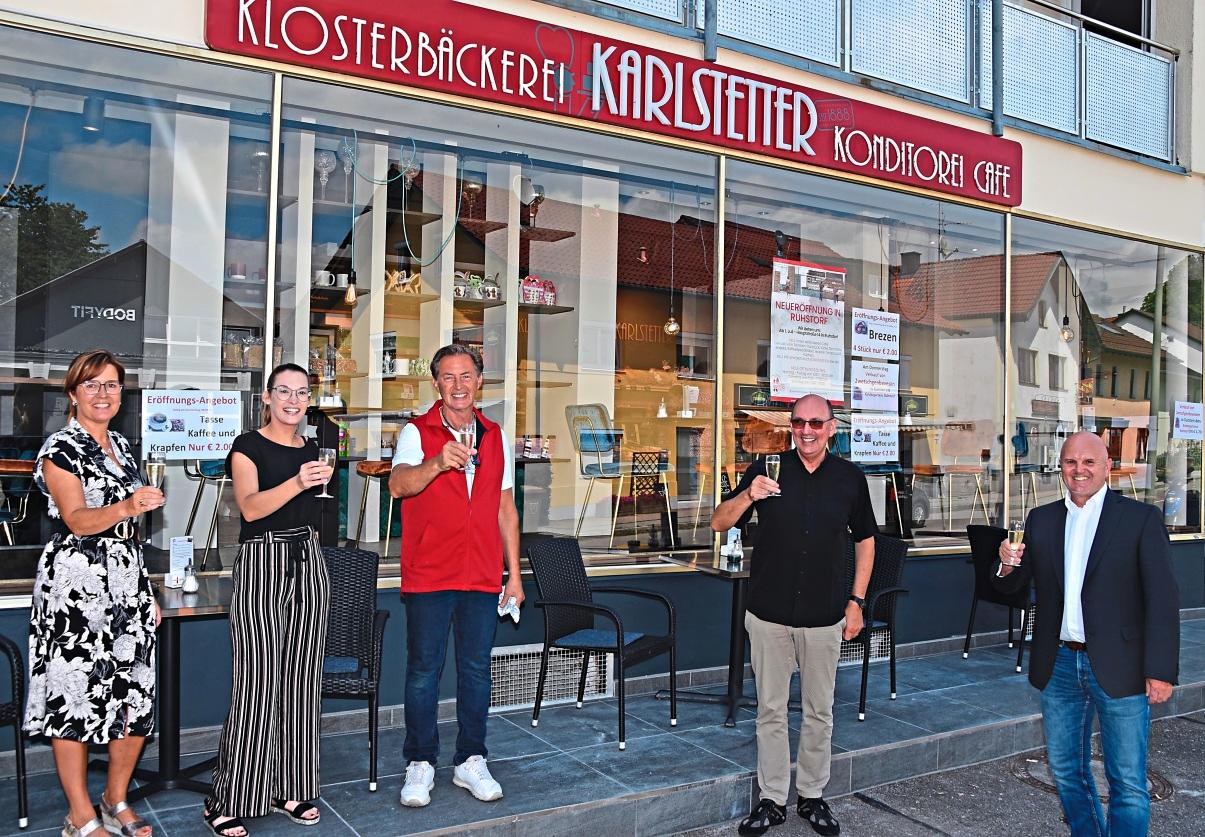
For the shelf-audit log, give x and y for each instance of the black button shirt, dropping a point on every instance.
(797, 575)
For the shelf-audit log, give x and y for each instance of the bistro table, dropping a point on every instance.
(211, 600)
(738, 573)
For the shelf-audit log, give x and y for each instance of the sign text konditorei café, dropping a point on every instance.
(470, 51)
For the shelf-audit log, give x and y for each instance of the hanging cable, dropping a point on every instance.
(12, 181)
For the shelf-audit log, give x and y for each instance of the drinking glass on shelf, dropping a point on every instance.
(773, 467)
(327, 457)
(325, 162)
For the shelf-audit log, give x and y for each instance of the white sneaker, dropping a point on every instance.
(475, 777)
(420, 778)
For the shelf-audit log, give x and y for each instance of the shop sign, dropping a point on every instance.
(1187, 423)
(916, 405)
(190, 424)
(752, 396)
(874, 437)
(875, 334)
(472, 51)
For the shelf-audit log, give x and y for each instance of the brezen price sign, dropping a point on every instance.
(190, 424)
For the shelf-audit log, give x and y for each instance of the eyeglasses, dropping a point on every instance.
(93, 387)
(800, 423)
(285, 393)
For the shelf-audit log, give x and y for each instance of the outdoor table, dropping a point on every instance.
(738, 573)
(211, 600)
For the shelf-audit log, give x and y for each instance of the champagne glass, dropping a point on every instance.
(1016, 534)
(773, 467)
(154, 468)
(467, 436)
(327, 457)
(325, 162)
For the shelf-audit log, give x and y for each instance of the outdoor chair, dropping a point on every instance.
(10, 714)
(569, 611)
(206, 471)
(985, 545)
(1022, 469)
(354, 636)
(881, 595)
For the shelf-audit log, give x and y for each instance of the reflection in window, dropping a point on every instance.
(938, 268)
(136, 222)
(583, 277)
(1135, 311)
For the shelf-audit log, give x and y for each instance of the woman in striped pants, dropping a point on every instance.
(268, 755)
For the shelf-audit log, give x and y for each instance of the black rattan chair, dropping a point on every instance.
(10, 713)
(985, 545)
(354, 635)
(569, 611)
(881, 595)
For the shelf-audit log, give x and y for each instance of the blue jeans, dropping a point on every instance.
(1068, 703)
(473, 616)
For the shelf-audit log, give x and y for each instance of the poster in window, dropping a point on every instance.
(807, 331)
(873, 385)
(874, 437)
(1187, 423)
(875, 334)
(190, 424)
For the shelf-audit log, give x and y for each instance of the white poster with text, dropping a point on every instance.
(875, 334)
(807, 338)
(190, 424)
(874, 437)
(874, 386)
(1188, 422)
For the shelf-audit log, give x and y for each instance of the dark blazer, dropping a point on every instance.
(1130, 599)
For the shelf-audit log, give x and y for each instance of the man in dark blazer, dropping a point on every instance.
(1106, 639)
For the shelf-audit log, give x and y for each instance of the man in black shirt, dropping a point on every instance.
(799, 606)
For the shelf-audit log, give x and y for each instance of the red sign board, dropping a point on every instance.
(456, 48)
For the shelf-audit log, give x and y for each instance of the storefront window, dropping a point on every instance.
(133, 218)
(1129, 316)
(889, 305)
(579, 266)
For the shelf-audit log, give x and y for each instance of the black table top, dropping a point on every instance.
(211, 599)
(713, 564)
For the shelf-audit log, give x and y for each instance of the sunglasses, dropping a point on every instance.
(815, 424)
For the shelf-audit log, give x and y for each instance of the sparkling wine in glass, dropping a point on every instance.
(154, 469)
(773, 467)
(467, 436)
(327, 457)
(1016, 534)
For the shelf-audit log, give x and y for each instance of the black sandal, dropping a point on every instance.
(224, 829)
(298, 813)
(819, 816)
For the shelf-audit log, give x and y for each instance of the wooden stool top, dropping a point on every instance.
(374, 467)
(16, 467)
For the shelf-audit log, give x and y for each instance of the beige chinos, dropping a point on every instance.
(777, 650)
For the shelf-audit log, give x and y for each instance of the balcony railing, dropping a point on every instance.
(1114, 88)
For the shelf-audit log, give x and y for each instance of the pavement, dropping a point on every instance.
(988, 800)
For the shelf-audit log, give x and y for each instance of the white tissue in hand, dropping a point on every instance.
(511, 608)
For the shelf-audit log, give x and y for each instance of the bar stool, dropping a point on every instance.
(206, 471)
(17, 487)
(373, 469)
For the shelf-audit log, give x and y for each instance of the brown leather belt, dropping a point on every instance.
(1074, 646)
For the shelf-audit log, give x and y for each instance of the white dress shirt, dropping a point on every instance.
(410, 452)
(1078, 534)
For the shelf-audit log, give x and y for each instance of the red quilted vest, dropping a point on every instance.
(451, 541)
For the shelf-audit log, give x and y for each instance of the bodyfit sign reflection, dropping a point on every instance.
(471, 51)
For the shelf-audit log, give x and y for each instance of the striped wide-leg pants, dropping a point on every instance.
(278, 614)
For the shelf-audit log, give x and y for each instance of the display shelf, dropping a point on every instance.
(532, 308)
(329, 207)
(546, 234)
(468, 304)
(480, 226)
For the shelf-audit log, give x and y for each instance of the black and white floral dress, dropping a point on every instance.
(92, 627)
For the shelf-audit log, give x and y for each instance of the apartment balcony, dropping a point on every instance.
(1062, 72)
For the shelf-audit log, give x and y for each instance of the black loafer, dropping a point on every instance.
(819, 816)
(764, 815)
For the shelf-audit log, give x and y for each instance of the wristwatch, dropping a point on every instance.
(858, 600)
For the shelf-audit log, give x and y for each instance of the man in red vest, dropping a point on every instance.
(459, 523)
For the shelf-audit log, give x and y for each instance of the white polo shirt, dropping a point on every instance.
(410, 452)
(1078, 534)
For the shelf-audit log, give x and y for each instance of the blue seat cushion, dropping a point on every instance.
(340, 665)
(596, 637)
(212, 469)
(603, 469)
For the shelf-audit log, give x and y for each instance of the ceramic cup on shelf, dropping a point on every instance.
(340, 280)
(323, 278)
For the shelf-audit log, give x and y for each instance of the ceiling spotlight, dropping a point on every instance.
(94, 113)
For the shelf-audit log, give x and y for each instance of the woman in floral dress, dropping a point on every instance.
(92, 632)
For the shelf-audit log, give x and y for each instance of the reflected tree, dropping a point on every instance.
(53, 237)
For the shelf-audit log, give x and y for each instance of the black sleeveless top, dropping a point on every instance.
(277, 464)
